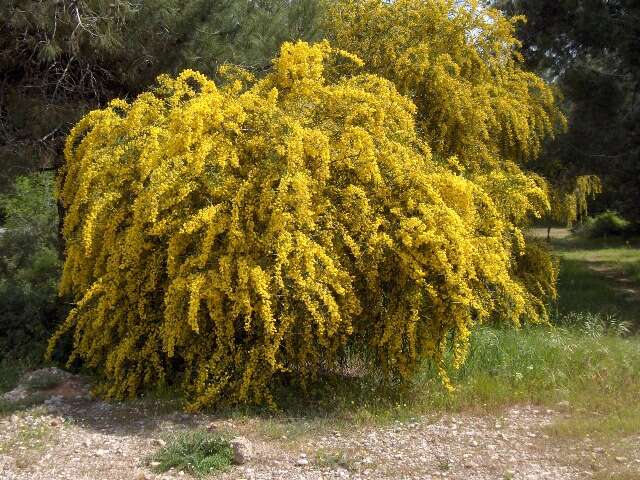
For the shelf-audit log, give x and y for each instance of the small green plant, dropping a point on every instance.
(29, 266)
(27, 439)
(444, 465)
(197, 452)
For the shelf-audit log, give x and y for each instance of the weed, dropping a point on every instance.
(197, 452)
(27, 444)
(444, 465)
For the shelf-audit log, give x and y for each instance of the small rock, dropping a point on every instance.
(302, 462)
(100, 453)
(154, 464)
(54, 400)
(16, 395)
(139, 476)
(158, 442)
(342, 473)
(563, 403)
(621, 459)
(242, 450)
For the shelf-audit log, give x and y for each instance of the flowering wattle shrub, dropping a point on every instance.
(227, 235)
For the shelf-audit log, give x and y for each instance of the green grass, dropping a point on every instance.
(546, 366)
(197, 452)
(599, 276)
(537, 365)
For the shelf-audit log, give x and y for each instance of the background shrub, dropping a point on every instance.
(603, 225)
(29, 266)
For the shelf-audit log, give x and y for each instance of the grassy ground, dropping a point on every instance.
(544, 366)
(599, 276)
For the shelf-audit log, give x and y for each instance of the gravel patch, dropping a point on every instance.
(73, 437)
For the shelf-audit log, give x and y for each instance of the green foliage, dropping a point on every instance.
(29, 265)
(12, 369)
(603, 225)
(196, 451)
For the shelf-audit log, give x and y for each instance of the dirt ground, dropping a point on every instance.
(73, 437)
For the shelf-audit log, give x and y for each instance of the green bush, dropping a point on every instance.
(29, 266)
(606, 224)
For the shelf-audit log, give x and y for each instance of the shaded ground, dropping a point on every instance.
(554, 233)
(600, 276)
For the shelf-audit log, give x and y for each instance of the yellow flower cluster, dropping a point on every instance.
(228, 235)
(481, 113)
(459, 62)
(569, 200)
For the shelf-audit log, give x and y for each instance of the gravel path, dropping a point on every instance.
(72, 437)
